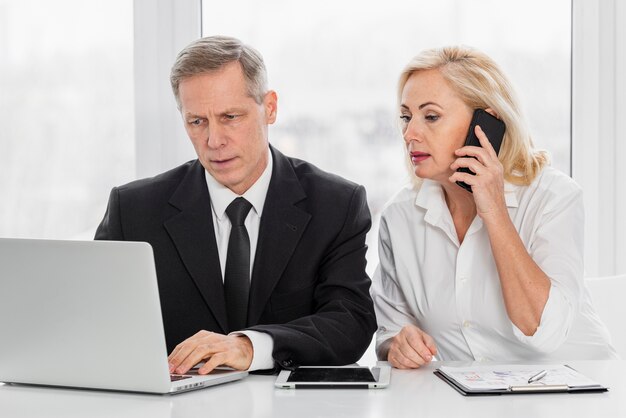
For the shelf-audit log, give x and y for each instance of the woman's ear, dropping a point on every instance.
(492, 112)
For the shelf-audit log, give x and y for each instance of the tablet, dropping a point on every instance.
(340, 377)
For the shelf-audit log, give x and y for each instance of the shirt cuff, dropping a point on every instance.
(262, 348)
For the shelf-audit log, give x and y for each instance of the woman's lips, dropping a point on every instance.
(418, 157)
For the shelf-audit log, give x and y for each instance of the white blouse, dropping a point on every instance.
(452, 292)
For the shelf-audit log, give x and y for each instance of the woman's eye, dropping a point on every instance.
(405, 118)
(432, 118)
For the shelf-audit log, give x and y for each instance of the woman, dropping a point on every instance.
(492, 275)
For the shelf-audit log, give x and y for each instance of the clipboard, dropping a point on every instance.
(490, 380)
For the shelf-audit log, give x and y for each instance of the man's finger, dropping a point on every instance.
(183, 352)
(201, 352)
(217, 359)
(185, 348)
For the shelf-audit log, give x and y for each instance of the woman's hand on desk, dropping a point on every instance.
(411, 348)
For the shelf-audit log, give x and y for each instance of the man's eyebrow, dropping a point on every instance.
(232, 110)
(226, 111)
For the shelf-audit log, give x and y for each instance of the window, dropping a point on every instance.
(335, 67)
(66, 113)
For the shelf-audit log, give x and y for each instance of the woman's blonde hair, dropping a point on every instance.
(481, 84)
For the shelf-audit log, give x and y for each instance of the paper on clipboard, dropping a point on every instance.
(514, 378)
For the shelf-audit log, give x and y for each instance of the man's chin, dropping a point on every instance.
(231, 182)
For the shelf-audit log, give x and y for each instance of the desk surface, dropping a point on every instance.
(415, 394)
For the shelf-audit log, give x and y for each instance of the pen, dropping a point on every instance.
(538, 376)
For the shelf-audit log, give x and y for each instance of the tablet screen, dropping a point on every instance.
(332, 374)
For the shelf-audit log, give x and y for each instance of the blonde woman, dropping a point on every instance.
(493, 275)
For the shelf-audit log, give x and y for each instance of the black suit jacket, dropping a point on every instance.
(309, 289)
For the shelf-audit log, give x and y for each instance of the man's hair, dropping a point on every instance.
(211, 53)
(481, 84)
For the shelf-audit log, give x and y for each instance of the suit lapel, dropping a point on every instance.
(193, 234)
(282, 226)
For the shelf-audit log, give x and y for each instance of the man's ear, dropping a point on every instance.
(270, 103)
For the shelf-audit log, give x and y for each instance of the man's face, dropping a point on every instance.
(227, 127)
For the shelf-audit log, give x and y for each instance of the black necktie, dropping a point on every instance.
(237, 271)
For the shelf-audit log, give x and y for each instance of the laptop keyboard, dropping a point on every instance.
(177, 377)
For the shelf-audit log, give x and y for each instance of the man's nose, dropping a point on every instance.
(216, 136)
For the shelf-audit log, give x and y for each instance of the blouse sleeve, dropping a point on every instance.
(392, 311)
(557, 247)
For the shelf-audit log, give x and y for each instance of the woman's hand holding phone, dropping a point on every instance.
(488, 181)
(493, 127)
(478, 169)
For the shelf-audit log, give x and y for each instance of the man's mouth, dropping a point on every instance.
(222, 160)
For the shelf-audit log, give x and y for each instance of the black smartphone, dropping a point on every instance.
(493, 127)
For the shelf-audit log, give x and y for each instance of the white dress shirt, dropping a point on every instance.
(452, 292)
(221, 197)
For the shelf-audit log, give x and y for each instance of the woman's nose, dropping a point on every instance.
(413, 132)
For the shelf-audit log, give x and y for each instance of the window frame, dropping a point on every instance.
(598, 115)
(163, 27)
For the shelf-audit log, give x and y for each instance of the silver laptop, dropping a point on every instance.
(86, 314)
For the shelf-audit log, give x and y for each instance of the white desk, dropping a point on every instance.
(415, 394)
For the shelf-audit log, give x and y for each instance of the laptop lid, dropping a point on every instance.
(85, 314)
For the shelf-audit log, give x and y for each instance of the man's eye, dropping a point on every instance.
(195, 122)
(230, 117)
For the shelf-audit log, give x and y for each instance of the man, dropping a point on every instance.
(260, 258)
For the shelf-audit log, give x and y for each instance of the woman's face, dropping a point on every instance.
(434, 124)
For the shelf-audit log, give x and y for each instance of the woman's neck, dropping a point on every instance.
(461, 206)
